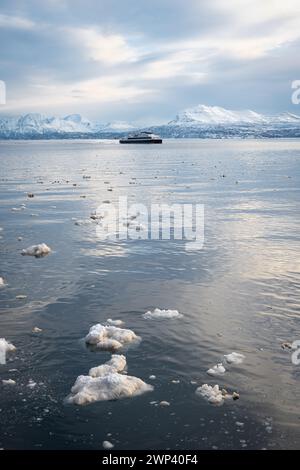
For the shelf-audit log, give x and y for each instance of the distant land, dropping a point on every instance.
(198, 122)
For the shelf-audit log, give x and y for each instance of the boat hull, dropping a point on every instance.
(140, 141)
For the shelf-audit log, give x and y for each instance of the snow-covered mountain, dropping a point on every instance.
(200, 122)
(215, 115)
(35, 125)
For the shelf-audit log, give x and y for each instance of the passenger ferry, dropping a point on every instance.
(141, 138)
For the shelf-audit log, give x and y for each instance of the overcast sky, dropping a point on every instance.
(144, 60)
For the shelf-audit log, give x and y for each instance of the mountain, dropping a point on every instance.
(199, 122)
(215, 122)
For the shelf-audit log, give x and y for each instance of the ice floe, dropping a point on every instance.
(214, 395)
(106, 384)
(5, 347)
(110, 337)
(157, 313)
(115, 322)
(37, 250)
(2, 283)
(107, 445)
(117, 363)
(219, 369)
(8, 382)
(234, 358)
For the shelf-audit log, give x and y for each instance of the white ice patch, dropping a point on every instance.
(5, 347)
(234, 358)
(107, 445)
(116, 364)
(106, 383)
(8, 382)
(110, 337)
(115, 322)
(37, 250)
(219, 369)
(214, 395)
(158, 313)
(2, 283)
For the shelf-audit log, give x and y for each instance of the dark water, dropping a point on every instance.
(240, 293)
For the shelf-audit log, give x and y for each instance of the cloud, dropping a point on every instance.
(15, 22)
(156, 57)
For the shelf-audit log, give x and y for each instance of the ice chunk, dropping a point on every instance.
(117, 363)
(115, 322)
(158, 313)
(31, 383)
(5, 347)
(37, 250)
(164, 403)
(234, 358)
(107, 445)
(36, 329)
(219, 369)
(2, 283)
(9, 382)
(112, 386)
(110, 337)
(212, 394)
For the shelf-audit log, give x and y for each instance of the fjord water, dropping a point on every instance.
(239, 293)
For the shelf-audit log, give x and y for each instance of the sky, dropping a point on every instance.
(144, 61)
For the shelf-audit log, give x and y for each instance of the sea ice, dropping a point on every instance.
(219, 369)
(214, 395)
(117, 363)
(106, 383)
(110, 337)
(115, 322)
(9, 382)
(234, 358)
(37, 250)
(2, 283)
(107, 445)
(5, 347)
(158, 313)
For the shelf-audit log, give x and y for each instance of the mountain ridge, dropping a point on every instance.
(201, 121)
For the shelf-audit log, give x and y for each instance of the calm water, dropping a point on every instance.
(240, 293)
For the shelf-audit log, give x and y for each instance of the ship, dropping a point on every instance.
(143, 137)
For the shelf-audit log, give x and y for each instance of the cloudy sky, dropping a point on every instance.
(144, 60)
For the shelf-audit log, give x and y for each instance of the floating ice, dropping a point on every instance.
(2, 283)
(234, 358)
(5, 347)
(31, 383)
(37, 250)
(36, 329)
(158, 313)
(164, 403)
(214, 395)
(152, 377)
(219, 369)
(110, 337)
(117, 363)
(9, 382)
(107, 445)
(106, 383)
(115, 322)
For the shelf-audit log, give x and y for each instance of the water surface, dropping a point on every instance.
(239, 293)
